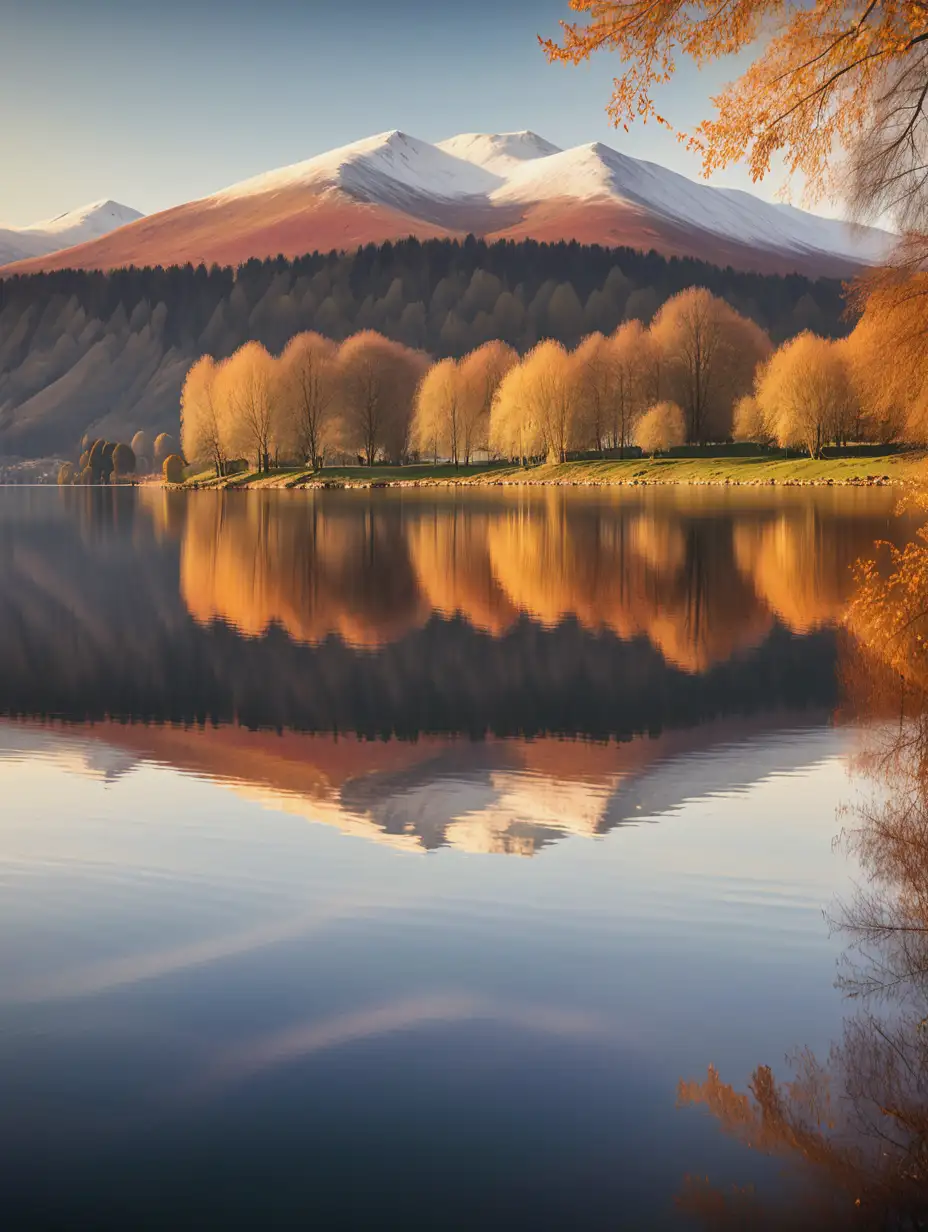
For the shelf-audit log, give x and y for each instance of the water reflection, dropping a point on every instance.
(856, 1122)
(700, 580)
(214, 1013)
(502, 797)
(405, 614)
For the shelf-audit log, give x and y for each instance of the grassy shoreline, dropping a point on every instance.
(728, 471)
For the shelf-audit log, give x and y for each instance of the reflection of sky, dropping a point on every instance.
(154, 104)
(177, 958)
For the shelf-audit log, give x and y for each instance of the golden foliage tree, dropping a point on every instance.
(248, 377)
(481, 373)
(514, 430)
(823, 78)
(306, 390)
(203, 426)
(661, 427)
(552, 392)
(173, 469)
(886, 356)
(636, 367)
(595, 375)
(438, 419)
(377, 380)
(709, 356)
(750, 423)
(805, 394)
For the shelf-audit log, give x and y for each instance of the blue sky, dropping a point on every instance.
(157, 102)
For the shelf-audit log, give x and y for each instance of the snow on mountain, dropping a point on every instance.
(88, 222)
(496, 185)
(366, 167)
(596, 172)
(500, 153)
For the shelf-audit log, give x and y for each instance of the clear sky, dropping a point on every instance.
(155, 102)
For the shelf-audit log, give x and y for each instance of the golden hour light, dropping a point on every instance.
(463, 576)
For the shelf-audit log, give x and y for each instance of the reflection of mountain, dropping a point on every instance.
(495, 797)
(412, 613)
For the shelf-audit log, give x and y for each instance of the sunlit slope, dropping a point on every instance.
(501, 186)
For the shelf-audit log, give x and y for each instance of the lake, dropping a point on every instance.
(392, 858)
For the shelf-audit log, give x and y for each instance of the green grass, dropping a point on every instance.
(694, 469)
(757, 469)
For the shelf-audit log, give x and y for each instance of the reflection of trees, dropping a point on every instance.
(286, 562)
(859, 1122)
(448, 545)
(699, 584)
(96, 602)
(800, 564)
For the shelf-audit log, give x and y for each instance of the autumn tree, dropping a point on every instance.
(750, 423)
(481, 373)
(307, 390)
(515, 431)
(805, 394)
(142, 445)
(377, 381)
(709, 353)
(438, 420)
(822, 80)
(254, 427)
(887, 373)
(66, 475)
(552, 392)
(123, 461)
(164, 446)
(596, 384)
(204, 421)
(173, 469)
(635, 363)
(101, 461)
(660, 428)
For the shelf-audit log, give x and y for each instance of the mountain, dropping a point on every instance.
(498, 186)
(79, 226)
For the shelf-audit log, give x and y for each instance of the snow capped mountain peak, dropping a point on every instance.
(511, 185)
(97, 218)
(500, 153)
(391, 161)
(87, 222)
(583, 173)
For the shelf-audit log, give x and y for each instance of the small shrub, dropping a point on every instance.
(165, 446)
(660, 428)
(123, 460)
(142, 445)
(173, 469)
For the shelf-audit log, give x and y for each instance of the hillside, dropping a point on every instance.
(506, 186)
(83, 351)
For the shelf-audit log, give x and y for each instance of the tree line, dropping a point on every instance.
(701, 372)
(105, 462)
(107, 353)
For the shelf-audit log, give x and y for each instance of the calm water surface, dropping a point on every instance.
(390, 860)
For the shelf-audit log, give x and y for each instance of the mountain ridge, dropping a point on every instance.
(496, 186)
(66, 230)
